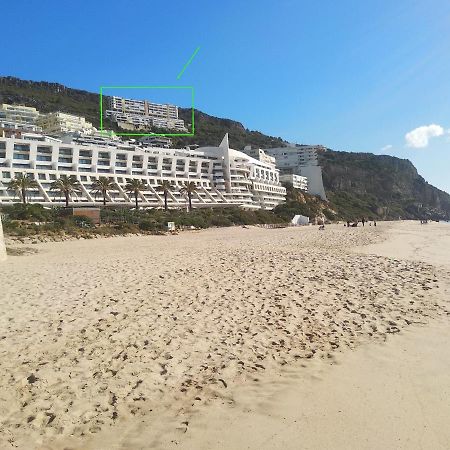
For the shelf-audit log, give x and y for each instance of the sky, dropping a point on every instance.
(370, 76)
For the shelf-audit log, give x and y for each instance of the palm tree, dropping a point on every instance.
(189, 188)
(102, 186)
(165, 187)
(66, 185)
(21, 184)
(135, 187)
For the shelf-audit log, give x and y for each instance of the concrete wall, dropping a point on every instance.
(2, 243)
(315, 182)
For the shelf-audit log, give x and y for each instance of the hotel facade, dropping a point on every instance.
(223, 176)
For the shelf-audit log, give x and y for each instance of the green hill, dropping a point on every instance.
(380, 186)
(357, 184)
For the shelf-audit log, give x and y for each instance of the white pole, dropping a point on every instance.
(2, 243)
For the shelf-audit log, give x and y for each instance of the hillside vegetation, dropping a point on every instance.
(357, 184)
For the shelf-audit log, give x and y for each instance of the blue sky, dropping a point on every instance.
(353, 75)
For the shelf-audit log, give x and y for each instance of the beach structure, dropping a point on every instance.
(222, 176)
(301, 160)
(300, 220)
(2, 242)
(141, 114)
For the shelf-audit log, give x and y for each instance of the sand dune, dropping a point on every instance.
(116, 343)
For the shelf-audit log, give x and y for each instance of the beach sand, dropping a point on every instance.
(229, 338)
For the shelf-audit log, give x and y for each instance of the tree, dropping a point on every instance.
(188, 189)
(21, 184)
(165, 187)
(135, 187)
(102, 186)
(67, 185)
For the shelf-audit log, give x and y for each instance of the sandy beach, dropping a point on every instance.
(229, 338)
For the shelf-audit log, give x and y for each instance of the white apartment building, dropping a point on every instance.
(156, 141)
(301, 160)
(223, 176)
(19, 117)
(59, 122)
(140, 114)
(297, 181)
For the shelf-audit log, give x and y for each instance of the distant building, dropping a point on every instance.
(156, 141)
(301, 160)
(59, 122)
(141, 114)
(297, 181)
(18, 117)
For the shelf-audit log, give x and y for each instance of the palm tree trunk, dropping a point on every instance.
(24, 196)
(136, 199)
(165, 200)
(67, 199)
(104, 198)
(190, 201)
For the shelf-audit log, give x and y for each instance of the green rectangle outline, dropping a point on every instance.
(148, 87)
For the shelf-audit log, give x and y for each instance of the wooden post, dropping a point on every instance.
(2, 243)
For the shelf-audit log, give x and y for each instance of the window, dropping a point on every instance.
(103, 155)
(2, 145)
(43, 158)
(22, 147)
(52, 177)
(85, 153)
(84, 161)
(83, 178)
(23, 166)
(65, 151)
(65, 160)
(6, 174)
(41, 176)
(44, 150)
(21, 156)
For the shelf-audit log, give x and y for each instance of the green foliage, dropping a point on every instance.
(82, 221)
(32, 212)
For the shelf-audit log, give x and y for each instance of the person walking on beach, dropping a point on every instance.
(363, 221)
(374, 223)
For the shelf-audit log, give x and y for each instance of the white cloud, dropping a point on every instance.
(386, 148)
(420, 137)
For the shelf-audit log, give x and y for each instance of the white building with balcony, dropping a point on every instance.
(223, 176)
(297, 181)
(141, 114)
(301, 160)
(59, 122)
(19, 117)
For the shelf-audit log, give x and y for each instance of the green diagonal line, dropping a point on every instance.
(187, 64)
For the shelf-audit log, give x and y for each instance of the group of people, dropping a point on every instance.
(363, 221)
